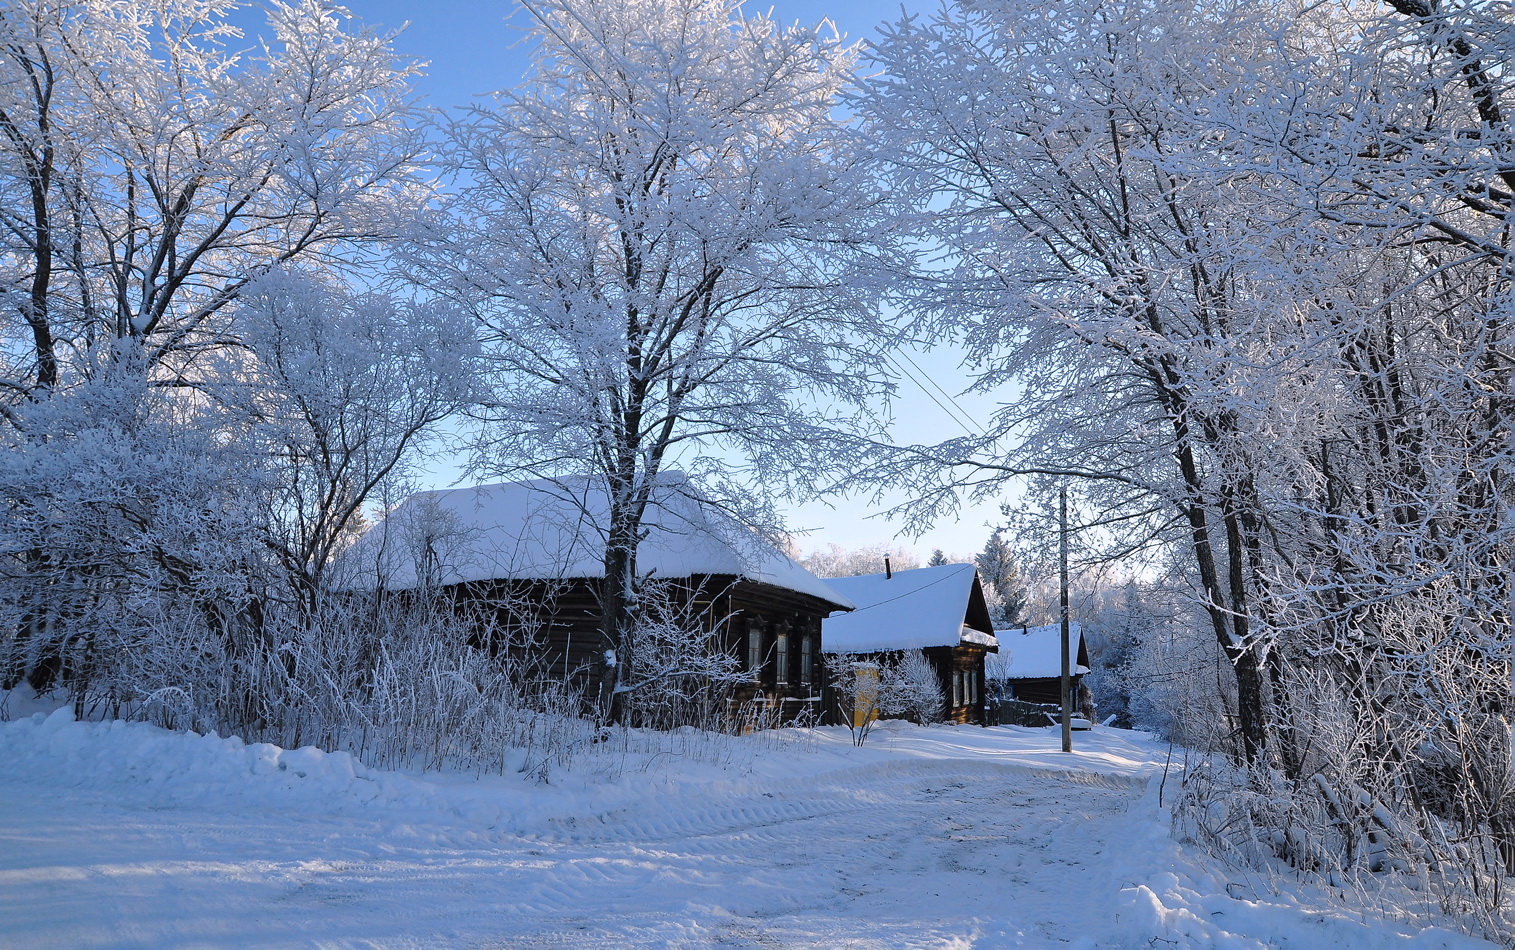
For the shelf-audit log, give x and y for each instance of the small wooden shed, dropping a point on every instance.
(939, 611)
(1028, 668)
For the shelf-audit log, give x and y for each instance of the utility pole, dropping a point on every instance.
(1062, 565)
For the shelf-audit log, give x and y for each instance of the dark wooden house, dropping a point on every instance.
(939, 611)
(523, 561)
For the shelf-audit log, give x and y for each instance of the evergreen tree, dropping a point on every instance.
(1002, 580)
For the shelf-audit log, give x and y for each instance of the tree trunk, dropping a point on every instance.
(615, 607)
(1226, 620)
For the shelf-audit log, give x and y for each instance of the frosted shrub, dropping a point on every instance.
(909, 687)
(679, 673)
(1381, 802)
(856, 685)
(403, 686)
(406, 686)
(1172, 679)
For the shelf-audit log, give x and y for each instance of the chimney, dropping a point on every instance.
(888, 571)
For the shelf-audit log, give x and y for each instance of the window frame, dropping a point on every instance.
(755, 648)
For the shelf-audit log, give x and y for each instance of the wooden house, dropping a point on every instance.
(939, 611)
(1028, 668)
(524, 562)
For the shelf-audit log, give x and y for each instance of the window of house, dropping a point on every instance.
(972, 688)
(957, 688)
(755, 648)
(783, 656)
(807, 659)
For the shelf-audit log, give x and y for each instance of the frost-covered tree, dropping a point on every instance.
(339, 392)
(1001, 576)
(910, 687)
(1247, 266)
(151, 167)
(229, 509)
(659, 235)
(836, 561)
(133, 524)
(1065, 175)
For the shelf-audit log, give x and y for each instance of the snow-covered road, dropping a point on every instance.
(124, 836)
(883, 856)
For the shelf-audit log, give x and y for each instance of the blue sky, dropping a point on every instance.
(471, 49)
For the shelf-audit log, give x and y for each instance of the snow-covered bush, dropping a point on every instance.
(856, 684)
(903, 685)
(122, 515)
(1406, 774)
(679, 672)
(909, 687)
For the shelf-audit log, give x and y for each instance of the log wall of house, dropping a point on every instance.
(552, 629)
(961, 672)
(1045, 690)
(773, 631)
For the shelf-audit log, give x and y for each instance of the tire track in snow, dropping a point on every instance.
(816, 857)
(840, 793)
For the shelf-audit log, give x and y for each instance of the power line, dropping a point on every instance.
(950, 398)
(947, 577)
(962, 421)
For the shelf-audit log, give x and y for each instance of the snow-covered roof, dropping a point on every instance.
(926, 607)
(545, 529)
(1031, 652)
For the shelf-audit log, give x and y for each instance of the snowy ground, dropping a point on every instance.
(117, 835)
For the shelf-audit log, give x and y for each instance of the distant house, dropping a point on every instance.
(937, 610)
(524, 561)
(1028, 668)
